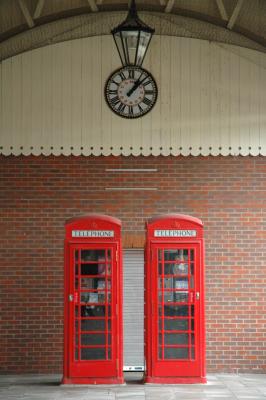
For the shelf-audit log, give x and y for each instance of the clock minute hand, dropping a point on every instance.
(136, 85)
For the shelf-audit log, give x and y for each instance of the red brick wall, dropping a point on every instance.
(37, 194)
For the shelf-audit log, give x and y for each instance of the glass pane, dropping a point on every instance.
(76, 269)
(176, 255)
(193, 353)
(94, 297)
(76, 283)
(192, 311)
(192, 276)
(76, 354)
(180, 283)
(192, 325)
(92, 354)
(94, 255)
(191, 255)
(94, 283)
(92, 339)
(95, 269)
(177, 311)
(174, 324)
(109, 354)
(176, 338)
(181, 297)
(94, 311)
(143, 43)
(192, 338)
(175, 353)
(76, 255)
(94, 325)
(77, 311)
(168, 297)
(160, 255)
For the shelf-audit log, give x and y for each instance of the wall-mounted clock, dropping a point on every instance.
(131, 92)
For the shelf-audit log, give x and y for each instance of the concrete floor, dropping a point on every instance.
(219, 387)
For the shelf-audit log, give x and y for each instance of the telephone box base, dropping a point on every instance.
(174, 380)
(92, 381)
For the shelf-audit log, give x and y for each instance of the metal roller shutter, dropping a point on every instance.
(133, 261)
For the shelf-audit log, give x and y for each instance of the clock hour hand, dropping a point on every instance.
(136, 85)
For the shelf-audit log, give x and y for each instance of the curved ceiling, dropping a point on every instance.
(26, 24)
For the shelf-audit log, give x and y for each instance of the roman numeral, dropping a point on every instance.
(130, 111)
(112, 91)
(146, 101)
(121, 107)
(117, 84)
(147, 83)
(122, 76)
(149, 92)
(131, 74)
(140, 108)
(114, 101)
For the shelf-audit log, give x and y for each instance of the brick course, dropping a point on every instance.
(37, 195)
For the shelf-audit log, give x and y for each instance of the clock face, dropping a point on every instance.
(131, 92)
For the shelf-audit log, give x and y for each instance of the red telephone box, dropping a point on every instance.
(93, 351)
(174, 300)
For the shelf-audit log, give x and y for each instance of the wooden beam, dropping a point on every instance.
(93, 5)
(222, 10)
(26, 13)
(235, 14)
(38, 9)
(169, 6)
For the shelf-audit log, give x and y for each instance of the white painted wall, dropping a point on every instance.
(212, 100)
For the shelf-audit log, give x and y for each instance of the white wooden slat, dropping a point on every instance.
(7, 108)
(262, 107)
(107, 53)
(37, 101)
(185, 97)
(146, 126)
(66, 99)
(205, 99)
(1, 109)
(155, 54)
(233, 146)
(195, 84)
(175, 98)
(76, 87)
(16, 104)
(215, 84)
(26, 126)
(47, 94)
(57, 85)
(166, 95)
(96, 95)
(244, 77)
(254, 121)
(224, 102)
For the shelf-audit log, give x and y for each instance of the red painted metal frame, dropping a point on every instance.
(93, 371)
(173, 371)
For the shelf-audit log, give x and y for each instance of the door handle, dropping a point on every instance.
(197, 295)
(70, 297)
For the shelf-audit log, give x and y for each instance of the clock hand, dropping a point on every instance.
(136, 85)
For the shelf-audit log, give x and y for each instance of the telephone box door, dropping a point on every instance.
(92, 324)
(93, 352)
(175, 318)
(174, 300)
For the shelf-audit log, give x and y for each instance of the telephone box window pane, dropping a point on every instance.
(192, 325)
(181, 283)
(95, 325)
(95, 297)
(176, 338)
(93, 255)
(179, 268)
(93, 339)
(76, 269)
(94, 311)
(76, 255)
(76, 354)
(174, 324)
(109, 354)
(76, 283)
(175, 311)
(181, 297)
(175, 353)
(95, 269)
(160, 253)
(192, 311)
(109, 339)
(176, 255)
(193, 353)
(192, 338)
(77, 311)
(76, 338)
(191, 255)
(192, 276)
(93, 354)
